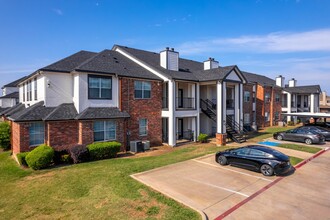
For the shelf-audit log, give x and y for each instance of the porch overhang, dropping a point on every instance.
(308, 114)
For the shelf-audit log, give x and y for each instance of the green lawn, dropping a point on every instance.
(295, 160)
(308, 149)
(268, 132)
(95, 190)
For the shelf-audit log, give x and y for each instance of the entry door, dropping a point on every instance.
(180, 98)
(180, 128)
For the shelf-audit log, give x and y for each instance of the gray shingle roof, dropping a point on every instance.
(14, 83)
(3, 110)
(17, 108)
(102, 113)
(311, 89)
(112, 62)
(69, 63)
(65, 111)
(36, 112)
(260, 79)
(13, 95)
(188, 69)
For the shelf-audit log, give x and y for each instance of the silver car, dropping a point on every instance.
(300, 135)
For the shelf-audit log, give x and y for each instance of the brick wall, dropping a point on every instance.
(260, 107)
(61, 134)
(248, 106)
(149, 109)
(20, 137)
(277, 106)
(85, 132)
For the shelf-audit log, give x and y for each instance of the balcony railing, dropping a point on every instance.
(185, 102)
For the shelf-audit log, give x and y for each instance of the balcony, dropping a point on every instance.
(164, 102)
(230, 103)
(185, 103)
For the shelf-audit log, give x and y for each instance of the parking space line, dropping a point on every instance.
(224, 168)
(219, 187)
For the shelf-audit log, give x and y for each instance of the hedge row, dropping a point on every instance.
(43, 156)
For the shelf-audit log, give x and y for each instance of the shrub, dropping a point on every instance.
(290, 123)
(21, 158)
(62, 156)
(5, 135)
(103, 150)
(40, 157)
(203, 138)
(79, 153)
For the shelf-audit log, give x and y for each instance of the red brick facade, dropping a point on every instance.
(61, 134)
(149, 109)
(248, 105)
(271, 107)
(20, 137)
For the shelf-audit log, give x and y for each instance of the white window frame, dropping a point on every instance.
(142, 89)
(33, 135)
(247, 96)
(143, 129)
(246, 118)
(104, 130)
(267, 119)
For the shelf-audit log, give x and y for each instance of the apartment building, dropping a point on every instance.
(126, 94)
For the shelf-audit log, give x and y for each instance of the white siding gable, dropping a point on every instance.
(233, 76)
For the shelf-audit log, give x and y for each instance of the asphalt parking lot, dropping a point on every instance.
(211, 189)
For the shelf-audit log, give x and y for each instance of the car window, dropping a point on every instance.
(301, 131)
(292, 131)
(242, 151)
(257, 153)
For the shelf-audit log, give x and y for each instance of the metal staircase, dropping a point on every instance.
(234, 130)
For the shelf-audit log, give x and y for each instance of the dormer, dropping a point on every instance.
(211, 64)
(169, 59)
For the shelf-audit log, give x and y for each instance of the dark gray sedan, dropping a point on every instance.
(300, 135)
(325, 132)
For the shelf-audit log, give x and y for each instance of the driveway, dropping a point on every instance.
(212, 189)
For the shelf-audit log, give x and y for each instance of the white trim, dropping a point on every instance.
(123, 52)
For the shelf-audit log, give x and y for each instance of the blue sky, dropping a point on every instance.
(269, 37)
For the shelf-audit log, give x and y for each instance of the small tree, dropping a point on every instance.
(5, 135)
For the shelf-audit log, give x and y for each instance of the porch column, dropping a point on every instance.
(241, 94)
(197, 131)
(221, 114)
(289, 107)
(171, 118)
(312, 103)
(237, 103)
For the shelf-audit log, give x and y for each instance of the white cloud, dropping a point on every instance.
(278, 42)
(58, 11)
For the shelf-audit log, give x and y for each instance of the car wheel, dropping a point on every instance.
(222, 160)
(308, 141)
(279, 137)
(266, 170)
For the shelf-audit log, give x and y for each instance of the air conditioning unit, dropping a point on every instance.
(146, 145)
(136, 146)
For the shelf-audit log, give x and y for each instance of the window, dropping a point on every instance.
(104, 130)
(277, 116)
(246, 118)
(267, 97)
(23, 92)
(29, 92)
(35, 89)
(284, 100)
(242, 151)
(246, 96)
(36, 133)
(143, 127)
(266, 116)
(99, 87)
(277, 98)
(142, 90)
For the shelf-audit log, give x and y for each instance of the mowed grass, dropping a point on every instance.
(307, 149)
(295, 160)
(94, 190)
(268, 132)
